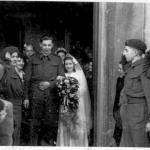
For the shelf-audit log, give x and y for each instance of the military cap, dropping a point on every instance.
(137, 44)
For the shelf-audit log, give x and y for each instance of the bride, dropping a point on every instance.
(81, 128)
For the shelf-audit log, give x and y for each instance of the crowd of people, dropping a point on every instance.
(49, 90)
(29, 93)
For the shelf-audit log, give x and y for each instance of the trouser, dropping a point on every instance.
(17, 124)
(43, 127)
(134, 117)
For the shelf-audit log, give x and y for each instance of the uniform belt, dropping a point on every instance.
(136, 100)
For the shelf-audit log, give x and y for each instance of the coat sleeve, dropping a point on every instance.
(146, 87)
(60, 72)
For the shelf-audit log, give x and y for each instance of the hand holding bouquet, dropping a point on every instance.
(68, 92)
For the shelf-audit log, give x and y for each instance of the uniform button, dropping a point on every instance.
(49, 110)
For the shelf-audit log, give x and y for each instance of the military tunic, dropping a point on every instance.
(134, 107)
(45, 104)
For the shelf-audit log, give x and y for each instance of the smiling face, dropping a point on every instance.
(69, 65)
(13, 59)
(46, 46)
(20, 63)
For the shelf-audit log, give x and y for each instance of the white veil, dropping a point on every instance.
(86, 95)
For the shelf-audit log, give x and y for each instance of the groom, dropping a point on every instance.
(41, 73)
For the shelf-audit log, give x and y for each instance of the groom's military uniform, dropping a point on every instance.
(44, 104)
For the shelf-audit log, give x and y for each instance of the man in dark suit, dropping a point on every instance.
(40, 78)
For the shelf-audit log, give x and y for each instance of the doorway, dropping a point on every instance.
(71, 24)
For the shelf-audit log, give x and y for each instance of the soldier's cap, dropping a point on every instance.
(137, 44)
(61, 49)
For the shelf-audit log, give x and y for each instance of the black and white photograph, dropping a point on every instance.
(74, 74)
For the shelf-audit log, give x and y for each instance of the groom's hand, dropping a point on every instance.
(44, 85)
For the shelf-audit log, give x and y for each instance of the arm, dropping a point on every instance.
(60, 72)
(27, 78)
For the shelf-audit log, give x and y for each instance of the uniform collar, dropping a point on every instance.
(48, 56)
(137, 63)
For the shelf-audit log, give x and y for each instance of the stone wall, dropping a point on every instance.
(116, 23)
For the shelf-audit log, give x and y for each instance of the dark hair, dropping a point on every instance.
(43, 38)
(69, 58)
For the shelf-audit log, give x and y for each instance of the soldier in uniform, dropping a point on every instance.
(135, 96)
(41, 72)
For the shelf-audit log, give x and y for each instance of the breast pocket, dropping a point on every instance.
(137, 84)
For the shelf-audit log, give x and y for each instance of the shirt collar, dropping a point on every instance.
(20, 73)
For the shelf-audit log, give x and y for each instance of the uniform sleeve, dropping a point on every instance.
(60, 72)
(27, 79)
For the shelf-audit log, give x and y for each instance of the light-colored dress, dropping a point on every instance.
(77, 133)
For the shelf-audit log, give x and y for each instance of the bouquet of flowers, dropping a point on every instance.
(68, 92)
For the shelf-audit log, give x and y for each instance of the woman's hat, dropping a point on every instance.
(61, 49)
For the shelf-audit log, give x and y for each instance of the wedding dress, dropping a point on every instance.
(77, 134)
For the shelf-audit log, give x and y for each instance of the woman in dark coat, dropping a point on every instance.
(13, 88)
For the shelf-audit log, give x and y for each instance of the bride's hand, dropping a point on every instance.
(60, 77)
